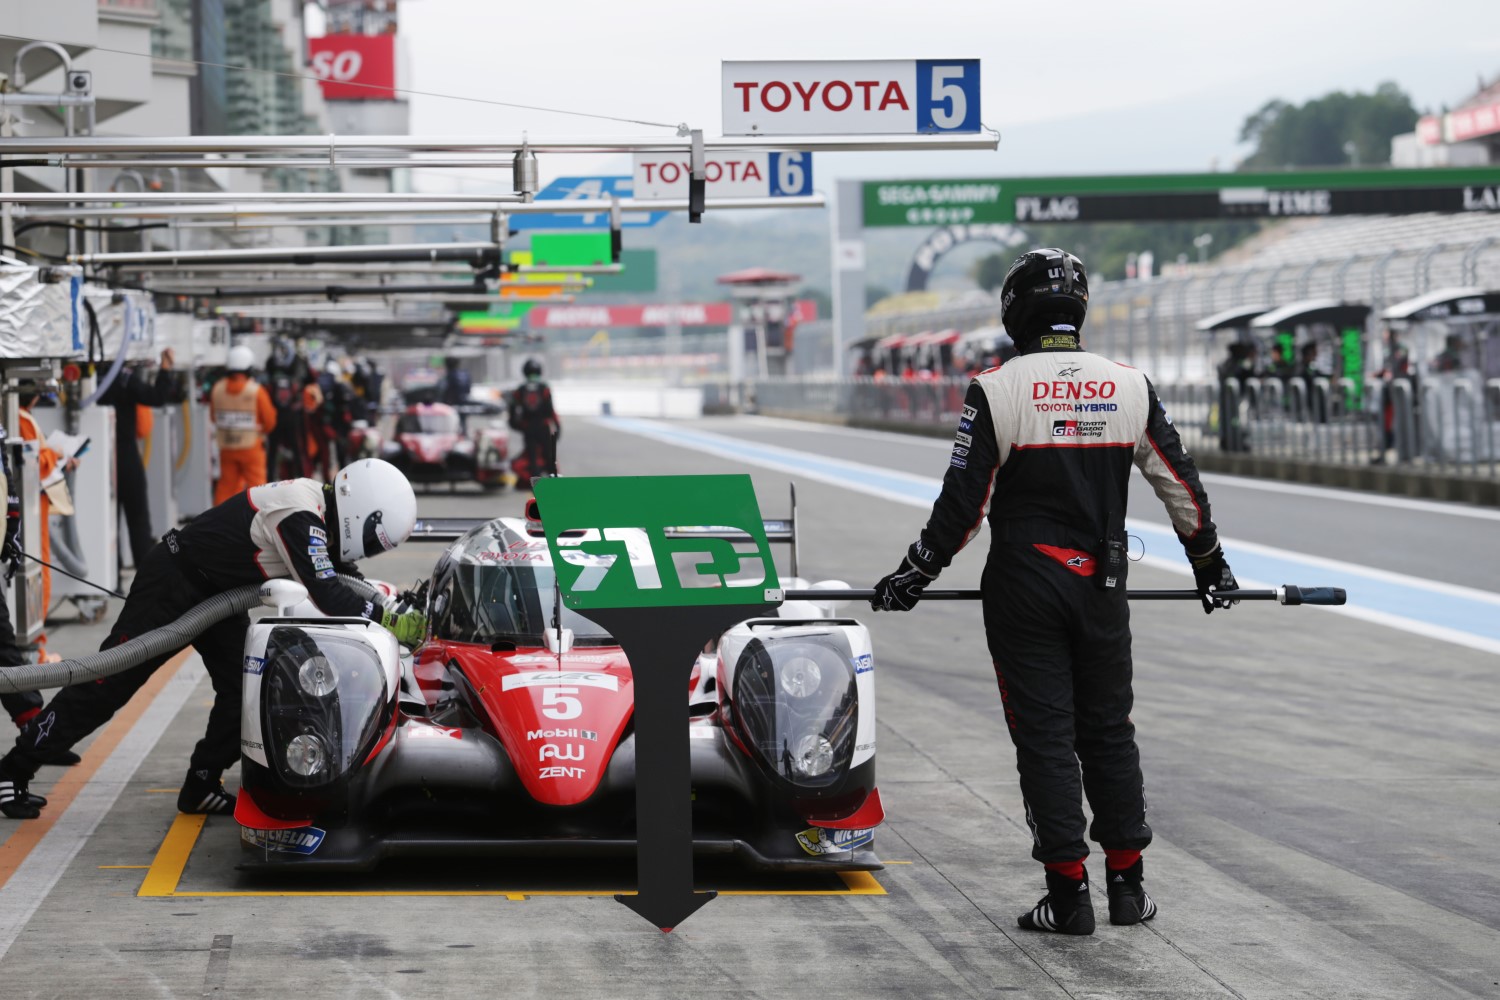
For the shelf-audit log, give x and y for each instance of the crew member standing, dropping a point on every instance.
(131, 390)
(532, 414)
(243, 415)
(46, 463)
(1045, 445)
(22, 706)
(456, 384)
(282, 529)
(286, 371)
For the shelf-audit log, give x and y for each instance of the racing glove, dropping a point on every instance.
(409, 627)
(901, 590)
(1211, 573)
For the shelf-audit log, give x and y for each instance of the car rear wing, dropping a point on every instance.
(779, 530)
(444, 529)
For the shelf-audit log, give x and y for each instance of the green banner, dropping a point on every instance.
(1119, 197)
(936, 202)
(564, 250)
(498, 318)
(639, 274)
(655, 541)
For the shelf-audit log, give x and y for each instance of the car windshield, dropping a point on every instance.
(427, 423)
(487, 601)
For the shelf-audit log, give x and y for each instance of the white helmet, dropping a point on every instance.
(241, 359)
(376, 508)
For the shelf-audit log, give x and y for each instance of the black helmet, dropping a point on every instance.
(1043, 287)
(532, 368)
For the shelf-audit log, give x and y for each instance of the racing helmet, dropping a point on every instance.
(1043, 287)
(377, 508)
(241, 359)
(532, 368)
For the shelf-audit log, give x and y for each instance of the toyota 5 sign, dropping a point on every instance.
(354, 67)
(895, 96)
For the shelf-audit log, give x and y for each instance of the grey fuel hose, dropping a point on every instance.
(165, 640)
(158, 642)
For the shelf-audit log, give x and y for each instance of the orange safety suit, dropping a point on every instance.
(243, 415)
(315, 436)
(46, 461)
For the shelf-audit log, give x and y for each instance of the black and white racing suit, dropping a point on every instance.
(276, 530)
(1044, 447)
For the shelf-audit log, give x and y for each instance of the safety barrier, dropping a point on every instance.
(1446, 424)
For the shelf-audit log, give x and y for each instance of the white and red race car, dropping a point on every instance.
(510, 730)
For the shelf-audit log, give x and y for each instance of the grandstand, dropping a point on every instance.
(1373, 260)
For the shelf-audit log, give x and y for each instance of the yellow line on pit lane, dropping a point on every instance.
(171, 860)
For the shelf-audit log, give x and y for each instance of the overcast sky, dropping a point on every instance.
(1090, 86)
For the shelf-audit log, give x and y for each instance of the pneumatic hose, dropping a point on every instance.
(132, 653)
(158, 642)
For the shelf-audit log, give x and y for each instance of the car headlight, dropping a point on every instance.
(323, 705)
(463, 446)
(317, 676)
(814, 756)
(307, 755)
(797, 706)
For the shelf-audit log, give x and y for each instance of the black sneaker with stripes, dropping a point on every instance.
(1129, 903)
(1066, 909)
(203, 793)
(18, 803)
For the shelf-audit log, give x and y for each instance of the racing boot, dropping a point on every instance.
(1129, 903)
(58, 756)
(1066, 909)
(203, 793)
(18, 803)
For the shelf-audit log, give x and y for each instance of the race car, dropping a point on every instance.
(510, 731)
(431, 444)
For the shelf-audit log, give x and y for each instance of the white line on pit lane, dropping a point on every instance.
(1212, 478)
(1418, 595)
(35, 877)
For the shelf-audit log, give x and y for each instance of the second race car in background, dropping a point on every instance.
(437, 443)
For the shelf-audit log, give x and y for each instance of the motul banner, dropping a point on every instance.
(665, 314)
(354, 67)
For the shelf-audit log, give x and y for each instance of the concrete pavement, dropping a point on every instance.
(1322, 790)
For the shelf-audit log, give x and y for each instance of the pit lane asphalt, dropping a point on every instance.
(1322, 789)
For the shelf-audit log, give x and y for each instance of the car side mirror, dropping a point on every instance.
(282, 595)
(558, 640)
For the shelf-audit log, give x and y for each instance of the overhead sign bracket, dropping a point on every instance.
(616, 229)
(697, 178)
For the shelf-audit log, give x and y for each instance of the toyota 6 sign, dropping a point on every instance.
(354, 67)
(728, 175)
(894, 96)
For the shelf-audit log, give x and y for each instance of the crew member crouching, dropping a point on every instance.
(281, 529)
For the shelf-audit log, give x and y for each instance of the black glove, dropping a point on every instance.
(901, 590)
(1212, 573)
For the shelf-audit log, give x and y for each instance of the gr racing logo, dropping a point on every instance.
(737, 564)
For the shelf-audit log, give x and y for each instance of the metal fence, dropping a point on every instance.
(1448, 424)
